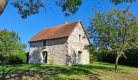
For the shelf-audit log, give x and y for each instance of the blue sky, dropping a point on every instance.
(27, 28)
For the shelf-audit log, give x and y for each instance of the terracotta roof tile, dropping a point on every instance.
(55, 32)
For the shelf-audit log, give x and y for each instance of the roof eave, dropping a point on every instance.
(48, 39)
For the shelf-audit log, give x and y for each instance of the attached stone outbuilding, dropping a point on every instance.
(65, 43)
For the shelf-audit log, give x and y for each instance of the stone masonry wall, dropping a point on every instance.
(74, 46)
(34, 53)
(56, 48)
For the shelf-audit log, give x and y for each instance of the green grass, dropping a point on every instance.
(104, 71)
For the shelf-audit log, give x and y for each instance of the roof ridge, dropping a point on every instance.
(62, 24)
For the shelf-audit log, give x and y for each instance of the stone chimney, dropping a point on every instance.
(65, 23)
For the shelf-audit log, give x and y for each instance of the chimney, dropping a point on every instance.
(65, 23)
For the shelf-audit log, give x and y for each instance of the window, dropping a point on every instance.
(79, 57)
(79, 38)
(30, 45)
(44, 43)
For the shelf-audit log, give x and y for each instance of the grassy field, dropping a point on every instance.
(95, 71)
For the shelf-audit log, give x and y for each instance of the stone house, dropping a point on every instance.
(65, 43)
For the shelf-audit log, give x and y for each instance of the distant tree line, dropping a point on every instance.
(130, 60)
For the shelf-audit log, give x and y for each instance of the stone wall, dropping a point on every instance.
(56, 48)
(34, 53)
(75, 45)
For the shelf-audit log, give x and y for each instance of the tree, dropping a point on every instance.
(3, 4)
(121, 1)
(10, 43)
(115, 29)
(29, 7)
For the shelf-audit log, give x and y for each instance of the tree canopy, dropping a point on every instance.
(116, 2)
(116, 29)
(31, 7)
(10, 43)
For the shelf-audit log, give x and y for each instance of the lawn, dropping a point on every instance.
(95, 71)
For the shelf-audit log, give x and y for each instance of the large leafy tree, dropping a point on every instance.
(10, 43)
(115, 29)
(29, 7)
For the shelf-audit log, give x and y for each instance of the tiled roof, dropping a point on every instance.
(55, 32)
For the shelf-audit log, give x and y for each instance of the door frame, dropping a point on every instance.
(43, 57)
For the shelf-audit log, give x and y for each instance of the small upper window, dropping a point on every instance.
(44, 43)
(30, 44)
(79, 37)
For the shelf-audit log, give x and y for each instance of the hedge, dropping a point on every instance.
(131, 60)
(15, 58)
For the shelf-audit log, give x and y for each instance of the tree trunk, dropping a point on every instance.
(3, 4)
(116, 62)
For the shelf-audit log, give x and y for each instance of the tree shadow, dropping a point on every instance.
(4, 73)
(93, 67)
(49, 72)
(71, 59)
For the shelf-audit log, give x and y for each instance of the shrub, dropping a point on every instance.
(1, 59)
(92, 52)
(93, 58)
(15, 58)
(51, 61)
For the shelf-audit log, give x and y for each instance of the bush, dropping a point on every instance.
(15, 58)
(109, 58)
(93, 58)
(131, 59)
(1, 59)
(92, 52)
(51, 61)
(97, 56)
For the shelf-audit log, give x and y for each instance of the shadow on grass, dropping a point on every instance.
(95, 67)
(5, 73)
(51, 72)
